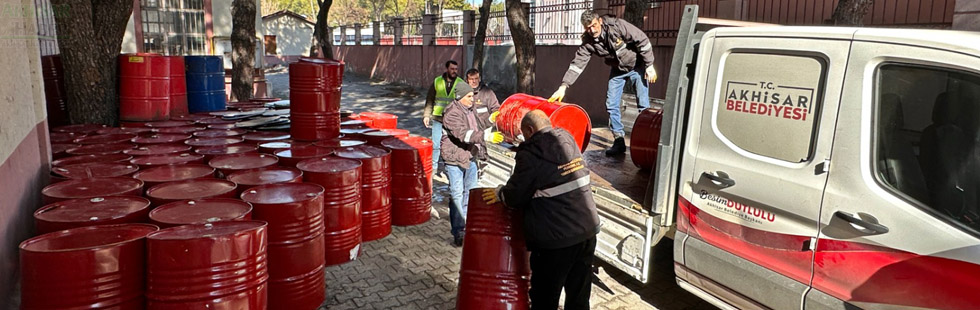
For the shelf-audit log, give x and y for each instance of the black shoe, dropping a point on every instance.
(458, 241)
(618, 147)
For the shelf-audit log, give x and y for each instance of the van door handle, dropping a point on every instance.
(720, 178)
(854, 220)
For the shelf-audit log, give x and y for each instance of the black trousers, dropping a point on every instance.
(569, 268)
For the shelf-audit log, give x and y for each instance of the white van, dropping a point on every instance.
(807, 168)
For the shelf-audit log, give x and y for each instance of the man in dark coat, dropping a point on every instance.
(550, 184)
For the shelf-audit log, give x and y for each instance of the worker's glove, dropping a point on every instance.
(494, 137)
(490, 196)
(427, 122)
(493, 116)
(651, 74)
(559, 94)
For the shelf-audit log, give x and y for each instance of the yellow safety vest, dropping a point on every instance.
(443, 97)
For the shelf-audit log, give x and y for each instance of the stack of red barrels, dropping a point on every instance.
(151, 87)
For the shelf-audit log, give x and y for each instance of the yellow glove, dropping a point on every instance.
(493, 116)
(494, 137)
(651, 74)
(559, 94)
(490, 196)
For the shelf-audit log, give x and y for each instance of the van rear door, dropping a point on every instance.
(752, 197)
(900, 226)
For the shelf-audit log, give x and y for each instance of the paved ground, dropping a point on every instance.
(417, 267)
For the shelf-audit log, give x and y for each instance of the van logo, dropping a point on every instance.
(742, 211)
(769, 99)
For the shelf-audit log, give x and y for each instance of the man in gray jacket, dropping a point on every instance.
(628, 51)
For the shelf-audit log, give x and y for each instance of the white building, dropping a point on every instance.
(288, 36)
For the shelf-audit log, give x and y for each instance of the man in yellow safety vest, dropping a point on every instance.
(441, 93)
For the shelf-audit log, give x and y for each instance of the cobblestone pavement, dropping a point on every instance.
(416, 267)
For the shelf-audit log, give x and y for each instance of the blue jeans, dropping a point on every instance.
(436, 141)
(460, 183)
(614, 94)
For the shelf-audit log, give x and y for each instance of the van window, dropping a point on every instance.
(769, 104)
(926, 146)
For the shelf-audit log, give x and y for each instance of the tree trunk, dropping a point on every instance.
(851, 12)
(523, 36)
(635, 10)
(322, 41)
(242, 49)
(90, 36)
(481, 35)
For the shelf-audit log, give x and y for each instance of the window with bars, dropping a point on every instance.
(173, 27)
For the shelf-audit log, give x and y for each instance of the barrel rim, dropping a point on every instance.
(61, 233)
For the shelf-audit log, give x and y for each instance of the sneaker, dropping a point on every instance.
(618, 147)
(458, 241)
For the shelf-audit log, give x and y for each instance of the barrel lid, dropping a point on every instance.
(397, 132)
(159, 138)
(377, 134)
(407, 143)
(166, 124)
(95, 170)
(305, 151)
(282, 193)
(101, 149)
(191, 117)
(118, 130)
(214, 120)
(314, 60)
(243, 161)
(182, 129)
(64, 137)
(214, 133)
(361, 152)
(157, 149)
(200, 211)
(62, 147)
(91, 159)
(338, 143)
(348, 131)
(172, 173)
(376, 115)
(223, 126)
(271, 99)
(166, 159)
(92, 209)
(264, 176)
(266, 136)
(328, 164)
(226, 149)
(190, 189)
(93, 187)
(87, 238)
(79, 128)
(355, 123)
(282, 144)
(213, 141)
(209, 230)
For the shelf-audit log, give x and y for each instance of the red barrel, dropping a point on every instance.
(314, 126)
(64, 137)
(54, 90)
(144, 87)
(158, 149)
(494, 272)
(122, 130)
(294, 212)
(60, 150)
(79, 128)
(161, 138)
(97, 267)
(168, 124)
(292, 156)
(314, 86)
(181, 130)
(95, 170)
(200, 142)
(222, 126)
(334, 144)
(229, 164)
(273, 147)
(265, 136)
(215, 133)
(566, 116)
(379, 120)
(375, 189)
(178, 87)
(356, 134)
(271, 175)
(101, 149)
(91, 188)
(83, 212)
(192, 117)
(411, 191)
(172, 173)
(201, 211)
(341, 179)
(190, 189)
(105, 139)
(355, 124)
(210, 152)
(220, 266)
(213, 120)
(375, 137)
(81, 159)
(645, 138)
(146, 162)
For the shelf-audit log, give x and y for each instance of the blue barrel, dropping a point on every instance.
(205, 83)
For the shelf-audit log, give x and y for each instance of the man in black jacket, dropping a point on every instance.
(627, 50)
(550, 183)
